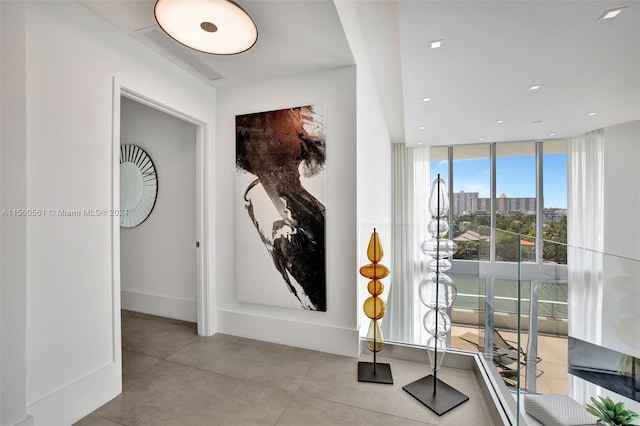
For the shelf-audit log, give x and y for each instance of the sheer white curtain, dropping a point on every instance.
(410, 193)
(585, 234)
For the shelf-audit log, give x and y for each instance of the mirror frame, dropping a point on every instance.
(133, 217)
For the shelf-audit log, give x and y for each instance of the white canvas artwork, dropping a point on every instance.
(280, 212)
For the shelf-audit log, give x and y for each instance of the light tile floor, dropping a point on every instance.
(171, 376)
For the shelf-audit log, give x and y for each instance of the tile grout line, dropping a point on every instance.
(350, 405)
(142, 353)
(111, 420)
(249, 381)
(175, 352)
(252, 382)
(366, 409)
(318, 354)
(284, 409)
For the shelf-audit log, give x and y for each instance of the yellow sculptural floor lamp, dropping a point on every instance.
(374, 308)
(437, 292)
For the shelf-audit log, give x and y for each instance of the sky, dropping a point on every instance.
(516, 177)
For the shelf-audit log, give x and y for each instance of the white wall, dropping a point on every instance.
(13, 229)
(158, 257)
(73, 297)
(622, 189)
(373, 158)
(334, 330)
(621, 296)
(621, 274)
(374, 185)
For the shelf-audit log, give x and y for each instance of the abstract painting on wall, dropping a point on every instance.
(280, 212)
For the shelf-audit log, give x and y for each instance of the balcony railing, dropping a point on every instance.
(556, 310)
(527, 301)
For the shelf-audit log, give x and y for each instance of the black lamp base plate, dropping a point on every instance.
(443, 400)
(382, 373)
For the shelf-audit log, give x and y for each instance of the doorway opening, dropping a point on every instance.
(158, 271)
(182, 297)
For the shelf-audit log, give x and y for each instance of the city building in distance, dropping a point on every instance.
(472, 203)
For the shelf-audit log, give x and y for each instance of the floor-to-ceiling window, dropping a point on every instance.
(509, 205)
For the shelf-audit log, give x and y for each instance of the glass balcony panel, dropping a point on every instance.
(555, 201)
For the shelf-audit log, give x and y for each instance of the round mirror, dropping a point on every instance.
(131, 186)
(138, 185)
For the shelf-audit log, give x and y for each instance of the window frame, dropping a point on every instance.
(535, 272)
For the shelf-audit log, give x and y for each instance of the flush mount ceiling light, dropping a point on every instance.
(611, 13)
(535, 87)
(591, 114)
(421, 127)
(220, 27)
(435, 44)
(499, 121)
(427, 99)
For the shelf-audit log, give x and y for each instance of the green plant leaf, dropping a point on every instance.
(598, 404)
(595, 412)
(611, 413)
(622, 413)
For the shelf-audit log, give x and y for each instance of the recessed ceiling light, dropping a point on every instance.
(481, 139)
(435, 44)
(419, 143)
(535, 87)
(220, 27)
(553, 134)
(611, 13)
(421, 127)
(590, 114)
(500, 121)
(426, 99)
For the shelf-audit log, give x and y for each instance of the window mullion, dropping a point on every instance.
(539, 203)
(450, 177)
(494, 202)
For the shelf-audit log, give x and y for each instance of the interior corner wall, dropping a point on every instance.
(334, 330)
(373, 156)
(374, 184)
(73, 285)
(158, 257)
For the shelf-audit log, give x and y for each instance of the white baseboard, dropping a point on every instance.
(162, 306)
(27, 421)
(74, 401)
(318, 337)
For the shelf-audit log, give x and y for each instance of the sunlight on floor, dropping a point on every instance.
(553, 375)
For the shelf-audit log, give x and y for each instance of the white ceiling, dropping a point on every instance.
(294, 36)
(493, 52)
